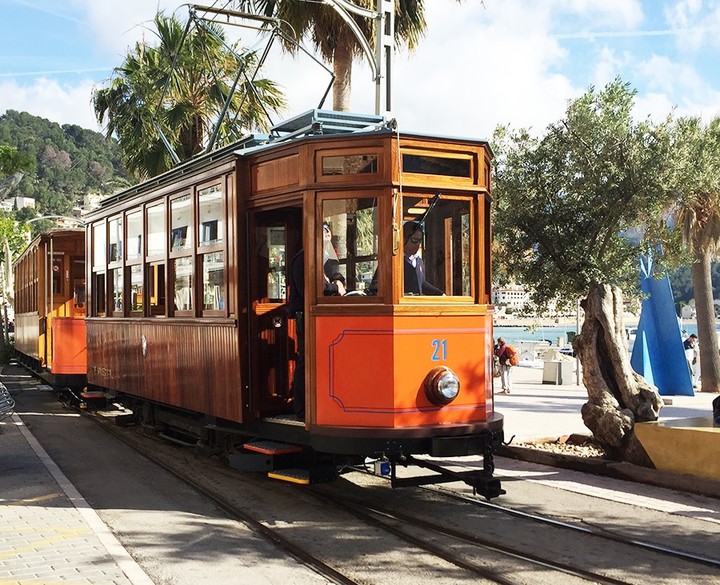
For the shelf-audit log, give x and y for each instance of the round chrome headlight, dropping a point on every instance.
(442, 386)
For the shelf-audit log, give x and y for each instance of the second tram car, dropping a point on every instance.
(188, 284)
(50, 307)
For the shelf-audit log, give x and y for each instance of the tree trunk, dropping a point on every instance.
(342, 67)
(705, 315)
(618, 396)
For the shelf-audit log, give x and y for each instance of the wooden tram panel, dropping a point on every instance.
(220, 364)
(50, 306)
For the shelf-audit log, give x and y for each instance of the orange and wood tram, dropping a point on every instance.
(301, 301)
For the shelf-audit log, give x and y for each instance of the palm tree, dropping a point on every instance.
(332, 37)
(697, 184)
(175, 91)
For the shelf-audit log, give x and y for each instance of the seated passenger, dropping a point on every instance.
(414, 267)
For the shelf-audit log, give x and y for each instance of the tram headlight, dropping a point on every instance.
(442, 386)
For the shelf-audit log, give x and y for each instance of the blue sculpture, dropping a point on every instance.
(658, 353)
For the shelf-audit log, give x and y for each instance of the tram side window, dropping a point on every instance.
(156, 289)
(437, 245)
(156, 230)
(135, 301)
(78, 280)
(181, 236)
(134, 235)
(99, 251)
(58, 275)
(210, 216)
(183, 283)
(116, 281)
(350, 243)
(99, 293)
(116, 240)
(213, 272)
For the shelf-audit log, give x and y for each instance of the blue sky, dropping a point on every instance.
(514, 62)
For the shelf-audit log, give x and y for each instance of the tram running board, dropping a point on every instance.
(294, 475)
(272, 447)
(305, 476)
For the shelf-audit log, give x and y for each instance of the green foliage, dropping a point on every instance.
(177, 90)
(578, 205)
(62, 164)
(12, 161)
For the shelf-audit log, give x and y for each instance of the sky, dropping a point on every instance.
(481, 63)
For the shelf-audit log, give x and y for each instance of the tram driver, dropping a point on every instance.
(414, 281)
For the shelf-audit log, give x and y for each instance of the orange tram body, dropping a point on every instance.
(189, 285)
(50, 307)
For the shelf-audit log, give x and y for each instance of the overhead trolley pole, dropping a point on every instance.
(381, 60)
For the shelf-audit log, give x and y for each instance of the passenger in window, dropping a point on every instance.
(331, 264)
(414, 267)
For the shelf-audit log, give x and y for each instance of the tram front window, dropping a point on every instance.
(437, 245)
(349, 244)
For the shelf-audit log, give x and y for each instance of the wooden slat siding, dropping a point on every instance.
(189, 365)
(26, 334)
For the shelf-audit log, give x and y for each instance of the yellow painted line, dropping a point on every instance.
(31, 500)
(64, 534)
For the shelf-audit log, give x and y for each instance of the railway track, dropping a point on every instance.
(471, 536)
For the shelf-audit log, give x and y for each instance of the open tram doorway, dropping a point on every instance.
(274, 239)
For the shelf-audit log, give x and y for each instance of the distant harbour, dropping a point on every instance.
(558, 334)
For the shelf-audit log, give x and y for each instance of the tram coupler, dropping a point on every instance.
(482, 481)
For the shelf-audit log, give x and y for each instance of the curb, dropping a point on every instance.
(616, 470)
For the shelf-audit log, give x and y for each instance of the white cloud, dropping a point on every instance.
(48, 99)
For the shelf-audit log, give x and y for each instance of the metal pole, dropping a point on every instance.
(384, 53)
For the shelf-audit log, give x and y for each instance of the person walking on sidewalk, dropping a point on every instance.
(507, 356)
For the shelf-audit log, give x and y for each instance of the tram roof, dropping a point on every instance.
(311, 125)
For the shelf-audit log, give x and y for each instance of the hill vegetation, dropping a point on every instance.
(66, 163)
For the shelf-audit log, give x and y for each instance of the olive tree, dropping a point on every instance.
(573, 211)
(696, 182)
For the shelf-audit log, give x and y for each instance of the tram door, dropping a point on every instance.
(275, 238)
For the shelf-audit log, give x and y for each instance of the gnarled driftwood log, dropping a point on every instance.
(618, 396)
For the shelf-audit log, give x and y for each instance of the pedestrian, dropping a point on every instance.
(507, 356)
(690, 347)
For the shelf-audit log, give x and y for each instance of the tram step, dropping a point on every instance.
(92, 395)
(272, 447)
(319, 474)
(294, 475)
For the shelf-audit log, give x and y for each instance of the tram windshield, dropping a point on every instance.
(437, 245)
(349, 242)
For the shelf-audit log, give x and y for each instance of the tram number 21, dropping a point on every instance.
(439, 349)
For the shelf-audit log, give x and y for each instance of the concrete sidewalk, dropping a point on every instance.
(48, 532)
(535, 411)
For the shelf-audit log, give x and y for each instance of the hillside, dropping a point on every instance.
(70, 162)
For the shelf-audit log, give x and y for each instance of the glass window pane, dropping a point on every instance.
(437, 246)
(117, 289)
(436, 165)
(156, 230)
(272, 250)
(349, 164)
(183, 283)
(136, 288)
(181, 227)
(350, 245)
(156, 289)
(99, 238)
(99, 293)
(210, 216)
(213, 282)
(134, 235)
(58, 277)
(116, 240)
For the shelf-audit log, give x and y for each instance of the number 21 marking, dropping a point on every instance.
(439, 349)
